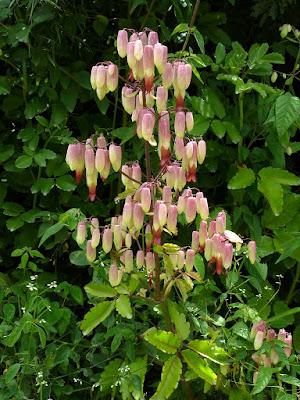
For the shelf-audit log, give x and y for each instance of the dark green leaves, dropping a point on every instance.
(243, 178)
(96, 315)
(287, 110)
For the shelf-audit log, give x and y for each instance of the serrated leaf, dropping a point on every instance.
(287, 109)
(41, 120)
(169, 378)
(209, 350)
(273, 58)
(51, 231)
(199, 366)
(279, 175)
(43, 185)
(12, 372)
(263, 378)
(168, 342)
(110, 375)
(199, 265)
(77, 295)
(23, 161)
(99, 290)
(78, 257)
(123, 306)
(199, 40)
(66, 182)
(243, 178)
(290, 379)
(95, 316)
(273, 192)
(232, 132)
(213, 100)
(180, 28)
(180, 322)
(220, 53)
(218, 128)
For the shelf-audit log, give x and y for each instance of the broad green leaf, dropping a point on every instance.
(213, 100)
(9, 311)
(23, 161)
(284, 396)
(123, 306)
(83, 78)
(220, 53)
(199, 265)
(233, 133)
(287, 109)
(99, 290)
(289, 246)
(199, 40)
(76, 293)
(138, 368)
(169, 378)
(43, 185)
(51, 231)
(273, 193)
(96, 315)
(100, 24)
(12, 372)
(42, 335)
(179, 320)
(279, 175)
(218, 128)
(123, 133)
(245, 87)
(59, 113)
(180, 28)
(279, 308)
(290, 379)
(41, 120)
(6, 152)
(273, 58)
(69, 97)
(243, 178)
(168, 342)
(135, 4)
(62, 353)
(12, 209)
(78, 257)
(13, 224)
(209, 350)
(263, 378)
(66, 182)
(230, 78)
(199, 366)
(110, 375)
(36, 106)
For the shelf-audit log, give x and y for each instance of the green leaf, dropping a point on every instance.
(279, 308)
(4, 85)
(209, 350)
(13, 224)
(199, 265)
(169, 378)
(110, 375)
(196, 73)
(263, 378)
(168, 342)
(51, 231)
(135, 4)
(116, 342)
(220, 53)
(123, 306)
(83, 78)
(243, 178)
(218, 128)
(180, 28)
(279, 175)
(41, 120)
(287, 109)
(69, 97)
(42, 335)
(245, 87)
(123, 133)
(59, 113)
(233, 133)
(66, 183)
(9, 311)
(62, 353)
(179, 320)
(273, 193)
(6, 152)
(78, 257)
(99, 290)
(290, 379)
(77, 295)
(23, 161)
(95, 316)
(12, 209)
(290, 246)
(199, 40)
(273, 58)
(12, 372)
(43, 185)
(199, 366)
(212, 98)
(36, 106)
(100, 24)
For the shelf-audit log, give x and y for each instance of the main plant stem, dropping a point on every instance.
(191, 25)
(240, 145)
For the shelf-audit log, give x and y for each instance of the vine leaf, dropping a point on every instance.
(99, 290)
(123, 306)
(209, 350)
(96, 315)
(169, 378)
(168, 342)
(199, 366)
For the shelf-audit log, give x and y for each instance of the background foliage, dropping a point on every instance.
(249, 123)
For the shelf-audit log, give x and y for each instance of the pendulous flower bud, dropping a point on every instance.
(195, 241)
(118, 237)
(189, 260)
(160, 57)
(252, 251)
(145, 199)
(181, 259)
(115, 276)
(172, 218)
(150, 262)
(203, 233)
(94, 77)
(140, 259)
(189, 121)
(107, 240)
(148, 123)
(179, 148)
(203, 207)
(208, 249)
(270, 335)
(259, 338)
(128, 240)
(167, 196)
(112, 78)
(179, 124)
(201, 153)
(138, 50)
(95, 238)
(191, 209)
(152, 38)
(138, 216)
(75, 158)
(128, 261)
(227, 255)
(131, 60)
(161, 99)
(81, 232)
(167, 76)
(122, 41)
(162, 214)
(115, 156)
(90, 251)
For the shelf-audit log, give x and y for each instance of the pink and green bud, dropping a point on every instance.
(148, 123)
(94, 224)
(220, 224)
(148, 239)
(212, 228)
(137, 175)
(140, 259)
(201, 153)
(145, 199)
(187, 75)
(164, 130)
(160, 57)
(181, 178)
(252, 251)
(101, 92)
(156, 223)
(162, 214)
(75, 158)
(138, 50)
(259, 338)
(117, 163)
(133, 37)
(128, 261)
(167, 76)
(179, 148)
(227, 255)
(255, 375)
(131, 60)
(105, 172)
(161, 99)
(122, 41)
(183, 76)
(95, 238)
(150, 262)
(288, 341)
(181, 202)
(148, 61)
(90, 251)
(271, 335)
(138, 216)
(195, 241)
(107, 240)
(170, 176)
(100, 160)
(91, 182)
(181, 259)
(101, 76)
(94, 77)
(202, 233)
(112, 78)
(203, 208)
(81, 232)
(101, 142)
(118, 237)
(128, 99)
(115, 276)
(274, 357)
(189, 121)
(189, 260)
(191, 209)
(152, 38)
(125, 178)
(89, 162)
(282, 334)
(180, 124)
(254, 330)
(208, 249)
(128, 240)
(256, 358)
(199, 195)
(113, 223)
(128, 213)
(217, 246)
(143, 37)
(167, 196)
(172, 218)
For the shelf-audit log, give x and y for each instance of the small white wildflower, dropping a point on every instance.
(280, 276)
(49, 308)
(45, 383)
(278, 283)
(23, 309)
(52, 284)
(31, 287)
(42, 321)
(40, 374)
(258, 295)
(33, 277)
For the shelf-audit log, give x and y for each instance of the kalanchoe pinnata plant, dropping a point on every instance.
(143, 265)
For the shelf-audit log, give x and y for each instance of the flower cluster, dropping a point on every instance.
(260, 334)
(95, 159)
